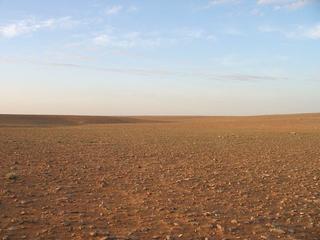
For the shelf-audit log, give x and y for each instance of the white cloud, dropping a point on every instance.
(284, 4)
(102, 40)
(131, 40)
(293, 33)
(268, 29)
(257, 12)
(116, 39)
(219, 2)
(26, 26)
(132, 9)
(113, 10)
(297, 32)
(233, 32)
(297, 4)
(314, 32)
(193, 34)
(214, 3)
(116, 9)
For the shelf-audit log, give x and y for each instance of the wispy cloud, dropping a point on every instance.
(31, 25)
(213, 3)
(270, 29)
(216, 3)
(257, 12)
(313, 32)
(113, 10)
(297, 32)
(116, 39)
(131, 40)
(284, 4)
(193, 34)
(116, 9)
(132, 9)
(233, 31)
(144, 72)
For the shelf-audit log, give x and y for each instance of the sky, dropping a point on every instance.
(159, 57)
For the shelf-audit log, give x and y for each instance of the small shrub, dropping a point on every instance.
(11, 176)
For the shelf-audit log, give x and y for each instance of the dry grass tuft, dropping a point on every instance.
(12, 176)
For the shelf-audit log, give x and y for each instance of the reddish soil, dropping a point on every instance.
(66, 177)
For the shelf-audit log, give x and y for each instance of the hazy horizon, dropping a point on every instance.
(129, 58)
(161, 115)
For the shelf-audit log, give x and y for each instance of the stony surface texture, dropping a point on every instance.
(182, 178)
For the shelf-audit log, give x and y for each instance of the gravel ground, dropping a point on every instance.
(162, 178)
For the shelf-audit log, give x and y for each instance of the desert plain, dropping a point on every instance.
(78, 177)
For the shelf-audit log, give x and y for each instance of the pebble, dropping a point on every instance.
(277, 231)
(104, 238)
(290, 230)
(234, 221)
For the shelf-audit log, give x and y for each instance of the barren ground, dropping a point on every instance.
(160, 177)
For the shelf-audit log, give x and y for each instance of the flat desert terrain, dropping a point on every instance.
(68, 177)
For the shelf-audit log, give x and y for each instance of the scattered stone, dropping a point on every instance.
(104, 238)
(207, 214)
(277, 231)
(234, 221)
(290, 230)
(66, 224)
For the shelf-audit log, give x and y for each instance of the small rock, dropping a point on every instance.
(290, 230)
(66, 224)
(277, 231)
(234, 221)
(104, 238)
(219, 227)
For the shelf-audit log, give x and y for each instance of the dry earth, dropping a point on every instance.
(65, 177)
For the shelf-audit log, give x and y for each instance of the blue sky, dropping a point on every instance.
(200, 57)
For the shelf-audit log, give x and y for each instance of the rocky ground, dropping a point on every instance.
(174, 178)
